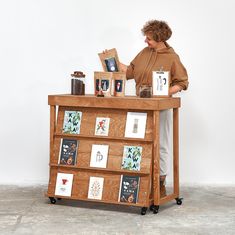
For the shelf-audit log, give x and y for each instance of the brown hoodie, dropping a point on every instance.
(149, 60)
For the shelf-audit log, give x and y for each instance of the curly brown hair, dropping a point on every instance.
(160, 30)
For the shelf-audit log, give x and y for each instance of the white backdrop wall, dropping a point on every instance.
(42, 42)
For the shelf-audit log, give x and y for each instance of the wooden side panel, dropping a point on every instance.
(156, 158)
(52, 129)
(176, 150)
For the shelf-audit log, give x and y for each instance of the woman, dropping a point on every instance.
(158, 55)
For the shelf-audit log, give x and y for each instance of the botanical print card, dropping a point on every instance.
(64, 184)
(135, 125)
(102, 126)
(95, 188)
(99, 155)
(68, 152)
(131, 158)
(72, 122)
(160, 83)
(129, 189)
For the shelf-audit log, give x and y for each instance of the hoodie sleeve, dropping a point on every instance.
(131, 68)
(179, 74)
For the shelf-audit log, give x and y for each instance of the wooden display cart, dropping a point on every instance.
(116, 109)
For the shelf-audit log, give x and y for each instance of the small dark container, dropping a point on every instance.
(77, 87)
(145, 91)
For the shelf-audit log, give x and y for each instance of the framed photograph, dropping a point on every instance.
(119, 80)
(109, 60)
(103, 82)
(160, 81)
(135, 125)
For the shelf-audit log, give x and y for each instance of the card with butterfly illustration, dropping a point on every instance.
(102, 126)
(131, 158)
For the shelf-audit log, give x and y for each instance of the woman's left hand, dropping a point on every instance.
(174, 89)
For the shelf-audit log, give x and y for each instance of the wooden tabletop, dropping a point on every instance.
(127, 102)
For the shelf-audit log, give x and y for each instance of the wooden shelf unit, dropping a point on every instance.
(116, 109)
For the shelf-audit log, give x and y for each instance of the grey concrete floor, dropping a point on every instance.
(205, 210)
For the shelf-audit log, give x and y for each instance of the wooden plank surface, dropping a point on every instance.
(115, 154)
(52, 129)
(101, 201)
(117, 121)
(176, 150)
(156, 158)
(111, 185)
(127, 102)
(101, 170)
(116, 109)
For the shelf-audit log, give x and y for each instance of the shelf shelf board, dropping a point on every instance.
(95, 137)
(96, 200)
(103, 170)
(126, 102)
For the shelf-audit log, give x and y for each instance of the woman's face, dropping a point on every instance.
(150, 41)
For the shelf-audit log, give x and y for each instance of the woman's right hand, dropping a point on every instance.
(122, 67)
(105, 51)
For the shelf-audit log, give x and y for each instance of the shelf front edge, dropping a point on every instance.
(128, 103)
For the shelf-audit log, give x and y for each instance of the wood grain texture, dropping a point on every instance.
(52, 129)
(127, 102)
(116, 126)
(156, 158)
(176, 150)
(111, 185)
(115, 154)
(116, 109)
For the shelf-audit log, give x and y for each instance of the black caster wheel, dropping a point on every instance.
(143, 210)
(178, 201)
(154, 209)
(52, 199)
